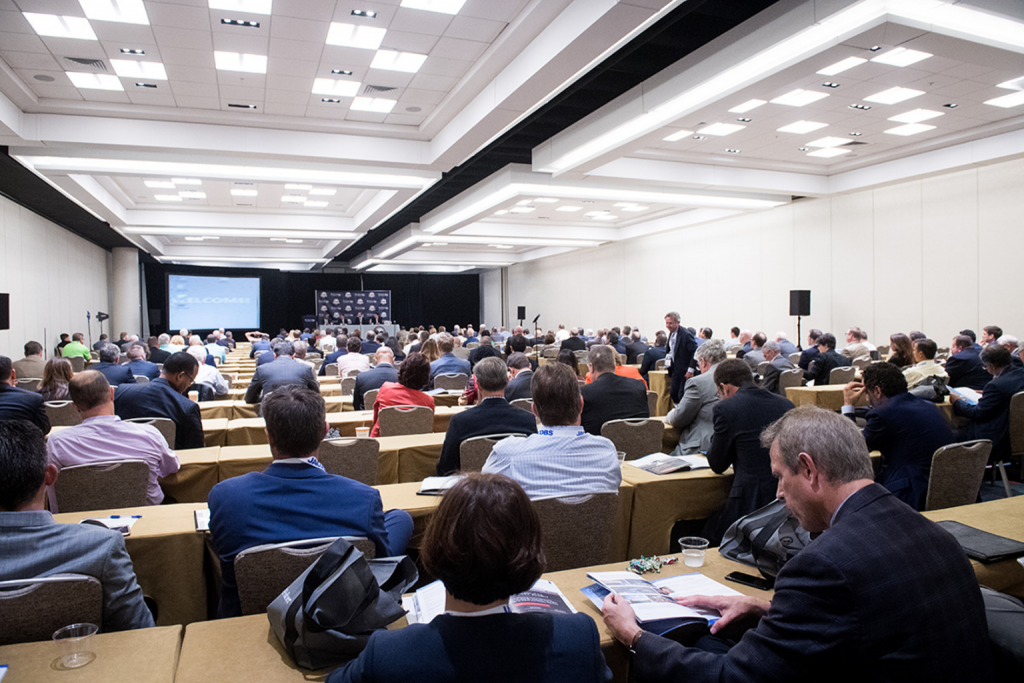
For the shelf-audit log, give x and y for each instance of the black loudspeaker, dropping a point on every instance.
(5, 311)
(799, 302)
(522, 313)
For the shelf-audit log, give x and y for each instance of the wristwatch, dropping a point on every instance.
(636, 639)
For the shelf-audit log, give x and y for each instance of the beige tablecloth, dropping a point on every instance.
(197, 475)
(215, 431)
(830, 397)
(659, 383)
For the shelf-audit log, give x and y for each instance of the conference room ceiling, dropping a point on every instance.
(528, 129)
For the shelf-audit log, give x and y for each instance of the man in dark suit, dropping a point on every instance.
(653, 354)
(138, 364)
(19, 404)
(333, 357)
(371, 344)
(634, 348)
(777, 363)
(384, 371)
(283, 371)
(109, 367)
(574, 343)
(811, 352)
(906, 429)
(522, 375)
(610, 396)
(964, 365)
(990, 417)
(163, 397)
(679, 357)
(827, 360)
(884, 595)
(491, 415)
(295, 499)
(739, 417)
(260, 342)
(156, 354)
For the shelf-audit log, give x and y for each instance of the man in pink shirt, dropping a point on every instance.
(103, 437)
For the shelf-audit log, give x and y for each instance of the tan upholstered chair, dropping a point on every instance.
(883, 350)
(842, 375)
(352, 457)
(524, 404)
(29, 383)
(577, 534)
(794, 357)
(451, 380)
(352, 372)
(862, 363)
(956, 474)
(461, 352)
(77, 363)
(401, 420)
(640, 358)
(652, 403)
(636, 437)
(550, 352)
(32, 609)
(264, 571)
(102, 486)
(472, 345)
(348, 385)
(762, 368)
(332, 370)
(369, 398)
(164, 425)
(62, 413)
(473, 453)
(790, 378)
(659, 364)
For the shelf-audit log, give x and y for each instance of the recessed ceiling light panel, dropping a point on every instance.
(569, 209)
(801, 127)
(894, 95)
(297, 186)
(1007, 101)
(910, 129)
(130, 68)
(244, 193)
(249, 6)
(678, 135)
(159, 184)
(840, 67)
(901, 57)
(916, 116)
(186, 181)
(237, 61)
(333, 86)
(747, 106)
(168, 198)
(799, 97)
(721, 129)
(56, 26)
(828, 153)
(522, 209)
(323, 192)
(377, 105)
(390, 60)
(192, 194)
(546, 200)
(315, 205)
(293, 199)
(123, 11)
(350, 35)
(442, 6)
(829, 142)
(87, 81)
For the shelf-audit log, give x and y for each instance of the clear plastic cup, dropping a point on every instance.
(362, 431)
(694, 548)
(75, 641)
(622, 456)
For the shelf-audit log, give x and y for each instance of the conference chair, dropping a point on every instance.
(652, 402)
(29, 383)
(472, 345)
(348, 385)
(659, 364)
(451, 380)
(102, 486)
(550, 352)
(473, 453)
(461, 352)
(861, 363)
(790, 378)
(351, 372)
(369, 398)
(956, 474)
(94, 355)
(582, 356)
(762, 368)
(352, 457)
(372, 357)
(164, 425)
(1017, 431)
(636, 437)
(883, 350)
(842, 376)
(32, 609)
(524, 404)
(142, 379)
(332, 370)
(402, 420)
(577, 534)
(582, 365)
(317, 362)
(264, 571)
(77, 363)
(794, 357)
(62, 413)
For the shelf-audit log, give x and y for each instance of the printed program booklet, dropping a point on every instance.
(544, 596)
(436, 486)
(659, 463)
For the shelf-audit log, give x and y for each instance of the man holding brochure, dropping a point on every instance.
(883, 594)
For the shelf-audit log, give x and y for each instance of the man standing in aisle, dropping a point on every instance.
(679, 358)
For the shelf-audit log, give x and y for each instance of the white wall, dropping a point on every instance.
(895, 259)
(53, 277)
(490, 298)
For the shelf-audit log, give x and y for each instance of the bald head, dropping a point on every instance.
(385, 355)
(91, 393)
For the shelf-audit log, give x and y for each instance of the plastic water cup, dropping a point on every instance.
(622, 456)
(694, 548)
(362, 431)
(75, 641)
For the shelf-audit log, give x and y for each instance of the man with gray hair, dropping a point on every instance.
(777, 363)
(679, 355)
(282, 371)
(786, 347)
(692, 415)
(138, 364)
(610, 396)
(109, 367)
(492, 415)
(885, 594)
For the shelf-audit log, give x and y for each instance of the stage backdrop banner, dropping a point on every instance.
(361, 307)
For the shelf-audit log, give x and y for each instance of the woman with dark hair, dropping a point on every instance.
(484, 544)
(567, 357)
(56, 374)
(902, 350)
(413, 377)
(393, 344)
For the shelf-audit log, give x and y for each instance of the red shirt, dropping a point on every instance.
(395, 394)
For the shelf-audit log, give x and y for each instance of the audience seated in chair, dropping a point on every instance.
(20, 404)
(163, 397)
(407, 391)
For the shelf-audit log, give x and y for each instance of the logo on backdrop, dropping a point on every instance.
(355, 307)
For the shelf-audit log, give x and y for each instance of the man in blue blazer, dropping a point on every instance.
(334, 355)
(163, 397)
(19, 404)
(138, 364)
(384, 371)
(448, 362)
(109, 367)
(882, 595)
(653, 355)
(491, 415)
(294, 498)
(907, 430)
(990, 417)
(284, 370)
(964, 366)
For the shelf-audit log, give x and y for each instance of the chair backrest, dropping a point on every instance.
(790, 378)
(317, 362)
(794, 357)
(451, 380)
(461, 352)
(62, 413)
(77, 363)
(332, 370)
(862, 363)
(348, 385)
(369, 398)
(550, 352)
(351, 372)
(94, 355)
(582, 355)
(956, 475)
(883, 349)
(473, 452)
(640, 358)
(636, 437)
(659, 364)
(842, 375)
(524, 404)
(652, 402)
(762, 367)
(142, 379)
(401, 420)
(472, 345)
(576, 534)
(1017, 424)
(29, 383)
(355, 458)
(32, 609)
(102, 486)
(164, 425)
(264, 571)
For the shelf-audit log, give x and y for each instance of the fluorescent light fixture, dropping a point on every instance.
(88, 81)
(522, 209)
(1007, 101)
(250, 6)
(168, 198)
(242, 232)
(910, 129)
(395, 248)
(378, 105)
(244, 193)
(293, 199)
(747, 106)
(297, 186)
(829, 142)
(194, 239)
(332, 86)
(501, 212)
(186, 181)
(546, 200)
(595, 214)
(129, 68)
(721, 129)
(323, 192)
(901, 57)
(635, 209)
(159, 184)
(799, 97)
(390, 60)
(524, 202)
(802, 127)
(315, 205)
(192, 194)
(622, 205)
(916, 116)
(569, 209)
(840, 67)
(350, 35)
(894, 95)
(287, 241)
(60, 26)
(677, 136)
(828, 153)
(124, 11)
(237, 61)
(442, 6)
